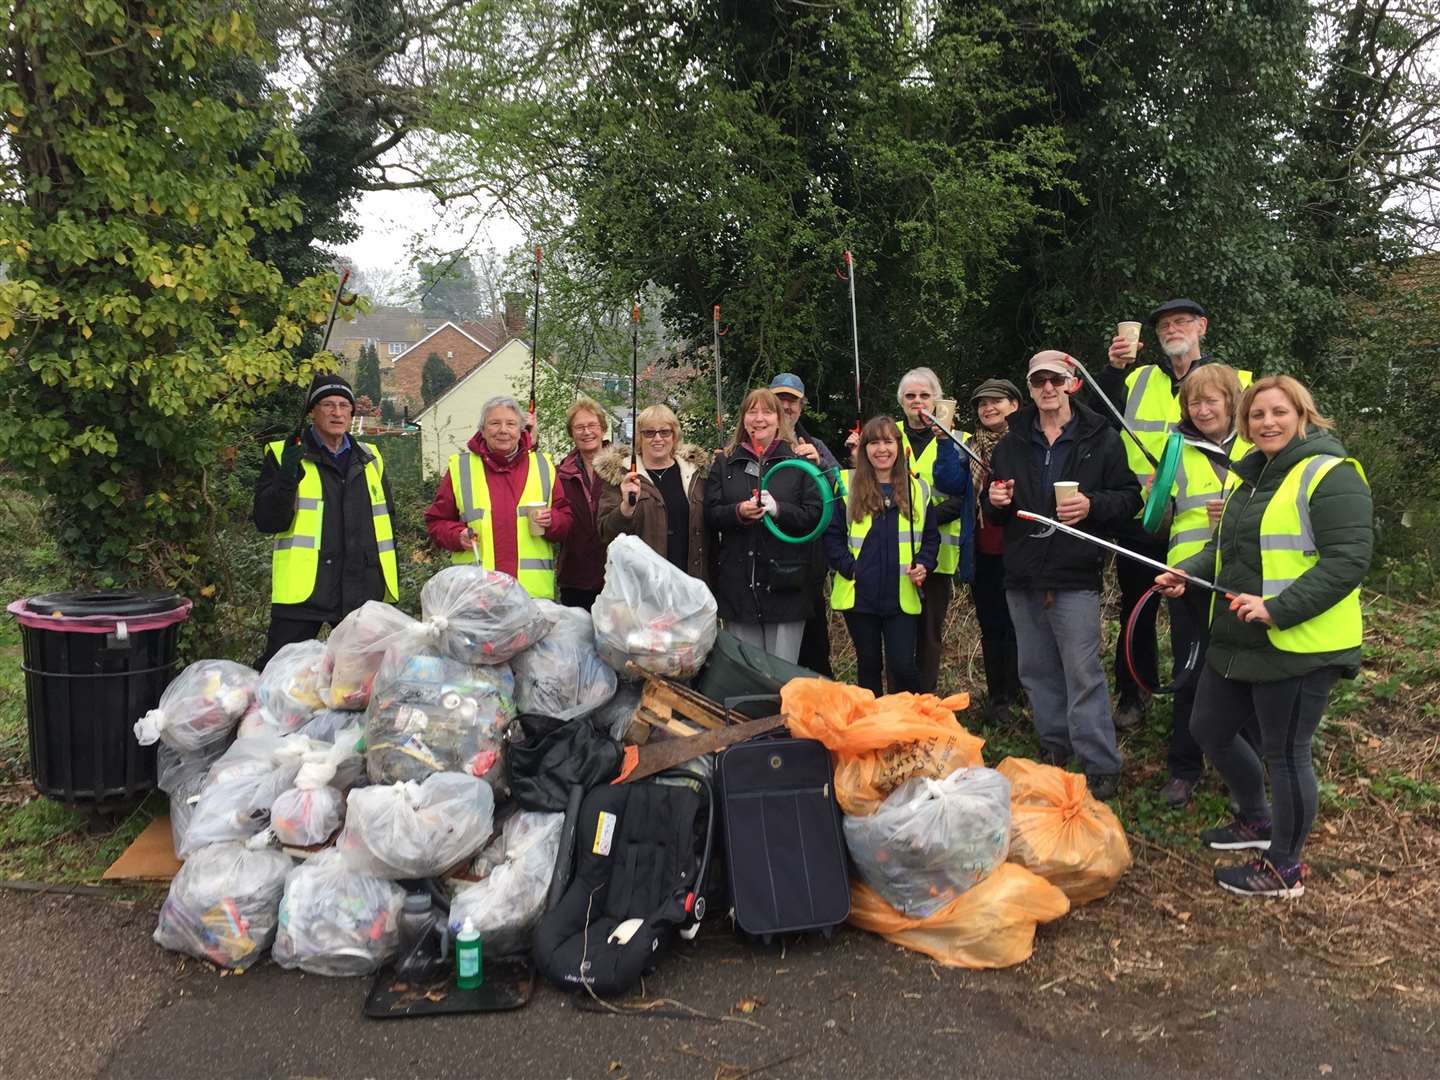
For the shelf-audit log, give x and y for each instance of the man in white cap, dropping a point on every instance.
(1052, 582)
(326, 500)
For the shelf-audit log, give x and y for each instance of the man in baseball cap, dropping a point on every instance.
(326, 500)
(815, 645)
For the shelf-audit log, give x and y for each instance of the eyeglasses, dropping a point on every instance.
(581, 429)
(656, 433)
(1178, 322)
(1040, 378)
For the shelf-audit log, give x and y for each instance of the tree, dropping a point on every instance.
(435, 378)
(449, 288)
(367, 372)
(137, 324)
(388, 412)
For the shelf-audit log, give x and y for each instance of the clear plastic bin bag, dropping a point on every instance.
(411, 830)
(336, 920)
(201, 707)
(480, 616)
(222, 904)
(431, 714)
(355, 649)
(289, 689)
(506, 904)
(562, 675)
(652, 613)
(930, 840)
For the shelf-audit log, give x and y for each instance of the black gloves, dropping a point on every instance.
(290, 459)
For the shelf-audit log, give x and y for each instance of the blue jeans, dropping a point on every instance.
(1060, 669)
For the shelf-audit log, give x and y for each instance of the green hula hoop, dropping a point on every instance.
(826, 492)
(1159, 501)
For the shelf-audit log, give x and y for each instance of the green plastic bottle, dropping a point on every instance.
(468, 971)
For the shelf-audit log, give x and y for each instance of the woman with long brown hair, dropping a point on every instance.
(881, 551)
(762, 584)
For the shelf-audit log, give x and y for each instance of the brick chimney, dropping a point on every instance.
(515, 315)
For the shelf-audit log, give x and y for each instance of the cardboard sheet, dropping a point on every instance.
(150, 858)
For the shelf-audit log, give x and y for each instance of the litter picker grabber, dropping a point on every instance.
(634, 382)
(1119, 416)
(848, 275)
(299, 432)
(719, 385)
(534, 339)
(1052, 525)
(929, 418)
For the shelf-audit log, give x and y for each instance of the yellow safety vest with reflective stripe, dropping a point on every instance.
(536, 555)
(295, 554)
(1287, 550)
(1198, 480)
(1152, 409)
(923, 466)
(911, 535)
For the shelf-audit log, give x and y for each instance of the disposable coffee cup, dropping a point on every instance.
(1064, 489)
(533, 513)
(945, 412)
(1130, 331)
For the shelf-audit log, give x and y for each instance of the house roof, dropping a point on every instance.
(413, 348)
(489, 331)
(387, 324)
(467, 377)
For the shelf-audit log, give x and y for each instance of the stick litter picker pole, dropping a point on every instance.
(849, 276)
(535, 333)
(1154, 463)
(299, 432)
(719, 406)
(634, 380)
(929, 418)
(1155, 564)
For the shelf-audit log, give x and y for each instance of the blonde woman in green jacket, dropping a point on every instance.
(1293, 545)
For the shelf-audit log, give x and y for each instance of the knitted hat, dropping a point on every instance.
(323, 386)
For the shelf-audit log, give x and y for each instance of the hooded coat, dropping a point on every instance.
(582, 557)
(649, 520)
(1342, 518)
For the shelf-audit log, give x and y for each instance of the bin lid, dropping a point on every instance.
(116, 602)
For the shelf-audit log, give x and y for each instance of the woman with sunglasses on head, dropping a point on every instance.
(1293, 545)
(1052, 581)
(762, 584)
(669, 488)
(882, 550)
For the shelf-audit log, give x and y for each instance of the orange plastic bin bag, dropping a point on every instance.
(989, 926)
(879, 743)
(1061, 832)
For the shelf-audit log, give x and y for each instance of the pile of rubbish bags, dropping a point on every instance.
(303, 795)
(953, 859)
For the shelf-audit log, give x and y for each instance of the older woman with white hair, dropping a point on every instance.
(498, 504)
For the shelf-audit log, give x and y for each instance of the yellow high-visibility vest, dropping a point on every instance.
(1287, 550)
(536, 555)
(923, 466)
(1152, 409)
(295, 553)
(910, 534)
(1198, 480)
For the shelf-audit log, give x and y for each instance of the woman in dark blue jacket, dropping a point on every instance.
(881, 550)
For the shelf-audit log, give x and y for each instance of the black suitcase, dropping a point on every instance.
(785, 848)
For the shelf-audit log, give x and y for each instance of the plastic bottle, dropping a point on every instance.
(416, 918)
(468, 973)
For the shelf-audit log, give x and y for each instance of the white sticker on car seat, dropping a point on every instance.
(604, 833)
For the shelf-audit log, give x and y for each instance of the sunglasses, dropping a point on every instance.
(1040, 378)
(655, 433)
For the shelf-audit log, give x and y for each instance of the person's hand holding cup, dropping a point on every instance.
(1070, 506)
(1125, 345)
(539, 519)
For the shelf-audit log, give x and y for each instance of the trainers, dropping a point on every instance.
(1103, 785)
(1129, 714)
(1178, 792)
(1238, 835)
(1262, 878)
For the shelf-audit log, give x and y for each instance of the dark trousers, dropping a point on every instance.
(815, 645)
(581, 598)
(935, 606)
(883, 641)
(1288, 711)
(284, 632)
(997, 632)
(1188, 629)
(1134, 578)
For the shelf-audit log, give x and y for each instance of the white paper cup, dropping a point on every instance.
(1130, 331)
(1064, 489)
(945, 413)
(533, 513)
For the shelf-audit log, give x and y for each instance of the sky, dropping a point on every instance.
(390, 220)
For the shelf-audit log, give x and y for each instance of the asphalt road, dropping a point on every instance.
(85, 993)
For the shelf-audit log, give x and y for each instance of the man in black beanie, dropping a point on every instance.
(326, 500)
